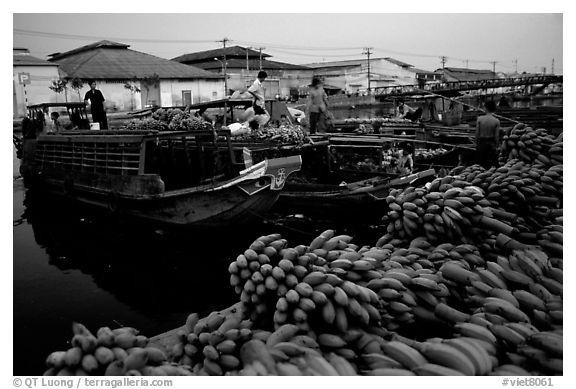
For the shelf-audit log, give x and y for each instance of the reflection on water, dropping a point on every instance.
(70, 265)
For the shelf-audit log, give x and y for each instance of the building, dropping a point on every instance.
(242, 66)
(465, 74)
(31, 79)
(352, 76)
(154, 80)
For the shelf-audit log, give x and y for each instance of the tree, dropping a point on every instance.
(60, 86)
(150, 81)
(77, 84)
(133, 88)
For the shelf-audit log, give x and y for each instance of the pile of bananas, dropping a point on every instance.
(146, 125)
(305, 285)
(333, 308)
(376, 120)
(112, 353)
(450, 289)
(530, 193)
(532, 146)
(429, 153)
(448, 209)
(284, 134)
(183, 121)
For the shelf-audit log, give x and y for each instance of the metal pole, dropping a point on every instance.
(368, 52)
(225, 74)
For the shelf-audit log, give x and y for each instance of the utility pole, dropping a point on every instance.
(552, 69)
(260, 50)
(247, 64)
(224, 41)
(368, 52)
(493, 67)
(443, 59)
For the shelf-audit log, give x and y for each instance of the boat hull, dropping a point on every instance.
(230, 205)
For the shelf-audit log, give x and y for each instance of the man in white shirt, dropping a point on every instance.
(259, 105)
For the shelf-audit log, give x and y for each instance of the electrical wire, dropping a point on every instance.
(284, 49)
(90, 37)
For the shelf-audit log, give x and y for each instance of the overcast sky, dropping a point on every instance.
(533, 39)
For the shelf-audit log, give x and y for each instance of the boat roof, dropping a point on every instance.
(219, 103)
(75, 104)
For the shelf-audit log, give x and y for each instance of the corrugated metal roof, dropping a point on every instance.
(28, 60)
(208, 55)
(116, 61)
(397, 62)
(92, 46)
(335, 64)
(354, 62)
(254, 64)
(468, 70)
(422, 71)
(465, 74)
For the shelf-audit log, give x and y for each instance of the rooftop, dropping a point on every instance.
(111, 60)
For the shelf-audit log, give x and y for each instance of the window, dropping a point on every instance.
(186, 97)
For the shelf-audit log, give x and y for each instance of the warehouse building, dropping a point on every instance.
(132, 80)
(242, 66)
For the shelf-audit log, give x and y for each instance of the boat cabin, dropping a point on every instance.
(139, 162)
(72, 115)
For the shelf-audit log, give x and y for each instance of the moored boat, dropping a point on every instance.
(168, 178)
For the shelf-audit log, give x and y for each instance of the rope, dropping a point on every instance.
(468, 105)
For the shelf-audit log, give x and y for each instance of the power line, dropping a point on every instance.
(90, 37)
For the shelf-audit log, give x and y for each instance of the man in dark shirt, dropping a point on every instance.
(487, 137)
(96, 105)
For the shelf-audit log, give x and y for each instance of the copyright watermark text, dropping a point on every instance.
(527, 381)
(91, 382)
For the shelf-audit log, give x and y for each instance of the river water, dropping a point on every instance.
(73, 265)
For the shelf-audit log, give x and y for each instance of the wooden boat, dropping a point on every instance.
(356, 199)
(168, 178)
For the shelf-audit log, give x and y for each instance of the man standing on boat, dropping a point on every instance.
(96, 105)
(406, 112)
(487, 137)
(316, 106)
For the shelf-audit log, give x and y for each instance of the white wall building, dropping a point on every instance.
(31, 79)
(352, 76)
(160, 81)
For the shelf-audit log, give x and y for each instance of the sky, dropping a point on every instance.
(516, 41)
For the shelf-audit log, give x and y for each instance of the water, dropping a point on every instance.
(73, 266)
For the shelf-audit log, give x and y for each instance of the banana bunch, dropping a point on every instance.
(525, 194)
(210, 345)
(462, 356)
(556, 151)
(449, 209)
(543, 351)
(429, 153)
(528, 145)
(146, 125)
(253, 275)
(551, 239)
(110, 352)
(286, 355)
(552, 181)
(284, 134)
